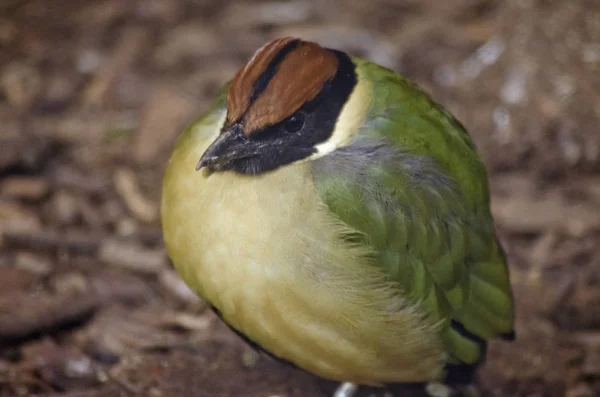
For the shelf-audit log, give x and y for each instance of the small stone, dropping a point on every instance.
(154, 392)
(62, 366)
(78, 367)
(250, 358)
(127, 227)
(88, 61)
(436, 389)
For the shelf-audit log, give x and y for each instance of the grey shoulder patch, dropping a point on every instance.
(357, 160)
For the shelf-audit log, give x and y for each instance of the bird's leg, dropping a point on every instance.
(345, 390)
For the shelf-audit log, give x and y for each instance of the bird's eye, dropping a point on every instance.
(295, 123)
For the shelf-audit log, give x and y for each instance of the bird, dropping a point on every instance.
(338, 218)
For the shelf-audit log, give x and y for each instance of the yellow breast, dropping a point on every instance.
(264, 251)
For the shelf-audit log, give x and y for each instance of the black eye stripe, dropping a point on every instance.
(294, 138)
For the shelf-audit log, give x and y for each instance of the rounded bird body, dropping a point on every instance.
(339, 218)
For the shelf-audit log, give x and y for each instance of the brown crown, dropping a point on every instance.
(299, 78)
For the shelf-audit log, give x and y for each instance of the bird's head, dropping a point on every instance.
(292, 101)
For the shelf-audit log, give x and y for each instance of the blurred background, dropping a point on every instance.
(93, 94)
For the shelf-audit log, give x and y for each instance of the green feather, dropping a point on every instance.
(413, 187)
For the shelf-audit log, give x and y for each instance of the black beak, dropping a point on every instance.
(230, 145)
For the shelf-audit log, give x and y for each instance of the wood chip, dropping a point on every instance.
(15, 218)
(64, 207)
(21, 84)
(164, 116)
(521, 213)
(540, 254)
(126, 185)
(70, 283)
(132, 42)
(110, 390)
(74, 179)
(113, 285)
(33, 263)
(28, 188)
(22, 316)
(187, 321)
(131, 256)
(49, 241)
(278, 13)
(120, 330)
(171, 281)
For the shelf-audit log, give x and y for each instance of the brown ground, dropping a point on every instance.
(93, 93)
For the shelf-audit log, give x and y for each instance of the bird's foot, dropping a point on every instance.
(346, 390)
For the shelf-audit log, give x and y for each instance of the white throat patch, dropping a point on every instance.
(351, 118)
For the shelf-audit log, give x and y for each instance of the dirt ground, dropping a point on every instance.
(93, 93)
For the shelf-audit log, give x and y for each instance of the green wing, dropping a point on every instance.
(414, 188)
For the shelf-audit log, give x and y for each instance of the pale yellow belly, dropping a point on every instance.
(265, 253)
